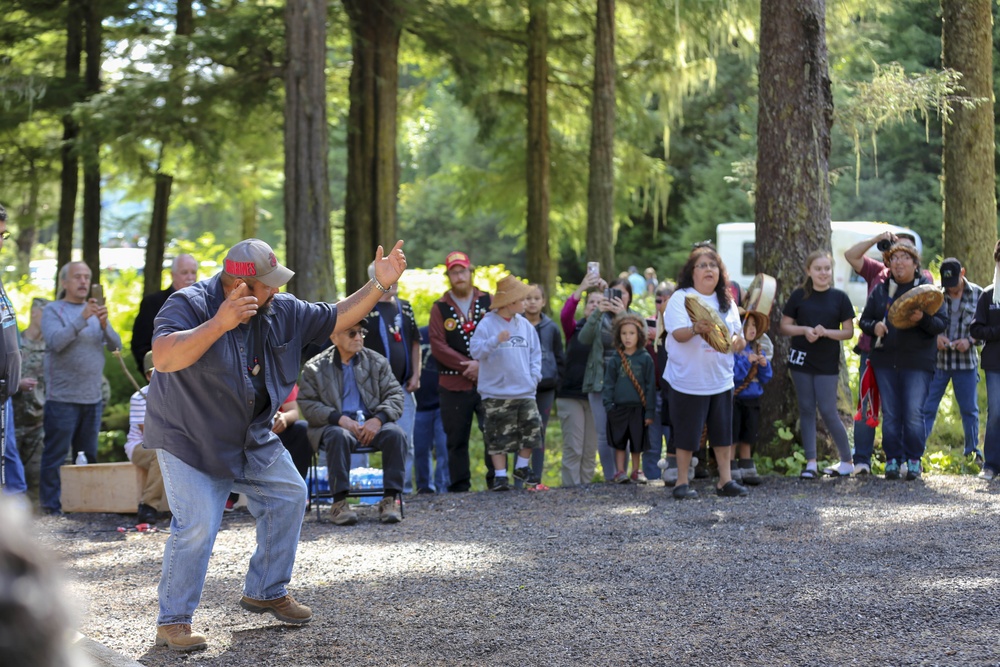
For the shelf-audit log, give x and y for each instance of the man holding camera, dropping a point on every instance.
(76, 331)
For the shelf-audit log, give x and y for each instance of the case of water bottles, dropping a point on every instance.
(363, 479)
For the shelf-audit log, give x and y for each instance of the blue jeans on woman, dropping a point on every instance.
(991, 444)
(276, 497)
(904, 393)
(13, 471)
(963, 383)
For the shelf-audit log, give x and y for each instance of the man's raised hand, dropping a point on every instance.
(390, 267)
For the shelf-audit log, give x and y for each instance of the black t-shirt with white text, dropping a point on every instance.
(828, 308)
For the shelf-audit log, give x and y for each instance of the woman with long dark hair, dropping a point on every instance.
(699, 374)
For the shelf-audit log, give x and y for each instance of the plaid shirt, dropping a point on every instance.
(958, 327)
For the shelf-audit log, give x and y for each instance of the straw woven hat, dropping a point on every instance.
(509, 290)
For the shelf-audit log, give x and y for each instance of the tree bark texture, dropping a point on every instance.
(540, 269)
(152, 277)
(601, 183)
(968, 171)
(792, 210)
(307, 199)
(70, 177)
(92, 146)
(372, 166)
(157, 240)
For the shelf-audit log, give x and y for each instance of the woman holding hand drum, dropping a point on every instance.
(704, 330)
(905, 327)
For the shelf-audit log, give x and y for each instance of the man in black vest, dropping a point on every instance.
(453, 320)
(183, 273)
(394, 335)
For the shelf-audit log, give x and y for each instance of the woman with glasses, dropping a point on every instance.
(818, 317)
(701, 377)
(903, 361)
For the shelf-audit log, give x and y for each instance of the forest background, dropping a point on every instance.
(174, 112)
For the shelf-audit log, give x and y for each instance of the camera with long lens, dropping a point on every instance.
(883, 245)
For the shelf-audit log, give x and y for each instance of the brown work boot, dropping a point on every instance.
(285, 609)
(178, 637)
(342, 515)
(389, 511)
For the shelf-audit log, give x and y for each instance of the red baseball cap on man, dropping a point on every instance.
(456, 258)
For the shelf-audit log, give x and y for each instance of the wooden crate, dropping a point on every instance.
(102, 487)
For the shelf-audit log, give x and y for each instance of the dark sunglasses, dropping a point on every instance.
(356, 333)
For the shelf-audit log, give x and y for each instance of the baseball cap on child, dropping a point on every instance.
(253, 258)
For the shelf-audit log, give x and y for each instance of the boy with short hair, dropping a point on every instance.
(507, 348)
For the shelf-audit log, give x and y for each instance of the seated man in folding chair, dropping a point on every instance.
(351, 398)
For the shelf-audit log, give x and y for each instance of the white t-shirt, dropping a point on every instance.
(695, 367)
(136, 416)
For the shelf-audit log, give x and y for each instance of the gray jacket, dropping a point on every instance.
(321, 390)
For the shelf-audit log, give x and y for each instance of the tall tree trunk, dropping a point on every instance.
(248, 215)
(307, 200)
(70, 178)
(601, 184)
(156, 240)
(540, 269)
(968, 171)
(27, 227)
(92, 146)
(372, 168)
(792, 210)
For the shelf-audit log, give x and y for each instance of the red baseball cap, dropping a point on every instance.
(456, 258)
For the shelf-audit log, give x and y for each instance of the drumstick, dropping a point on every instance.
(891, 291)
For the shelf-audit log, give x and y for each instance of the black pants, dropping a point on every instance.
(296, 441)
(457, 408)
(340, 443)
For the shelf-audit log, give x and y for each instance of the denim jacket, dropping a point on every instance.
(204, 414)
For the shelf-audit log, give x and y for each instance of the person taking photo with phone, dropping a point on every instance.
(76, 332)
(596, 333)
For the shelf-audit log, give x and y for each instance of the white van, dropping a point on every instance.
(735, 242)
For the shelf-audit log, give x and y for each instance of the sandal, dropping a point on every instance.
(808, 473)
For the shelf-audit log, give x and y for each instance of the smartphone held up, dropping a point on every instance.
(97, 293)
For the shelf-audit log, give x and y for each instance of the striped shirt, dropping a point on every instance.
(136, 417)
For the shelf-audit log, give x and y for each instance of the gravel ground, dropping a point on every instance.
(831, 572)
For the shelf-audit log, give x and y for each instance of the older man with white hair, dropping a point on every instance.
(183, 273)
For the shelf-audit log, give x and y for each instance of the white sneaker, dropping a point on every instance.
(842, 469)
(862, 469)
(987, 474)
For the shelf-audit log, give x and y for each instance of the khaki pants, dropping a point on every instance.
(152, 491)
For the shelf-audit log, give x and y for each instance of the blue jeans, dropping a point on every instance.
(276, 497)
(864, 435)
(991, 444)
(904, 393)
(657, 434)
(429, 440)
(13, 471)
(405, 422)
(69, 427)
(964, 385)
